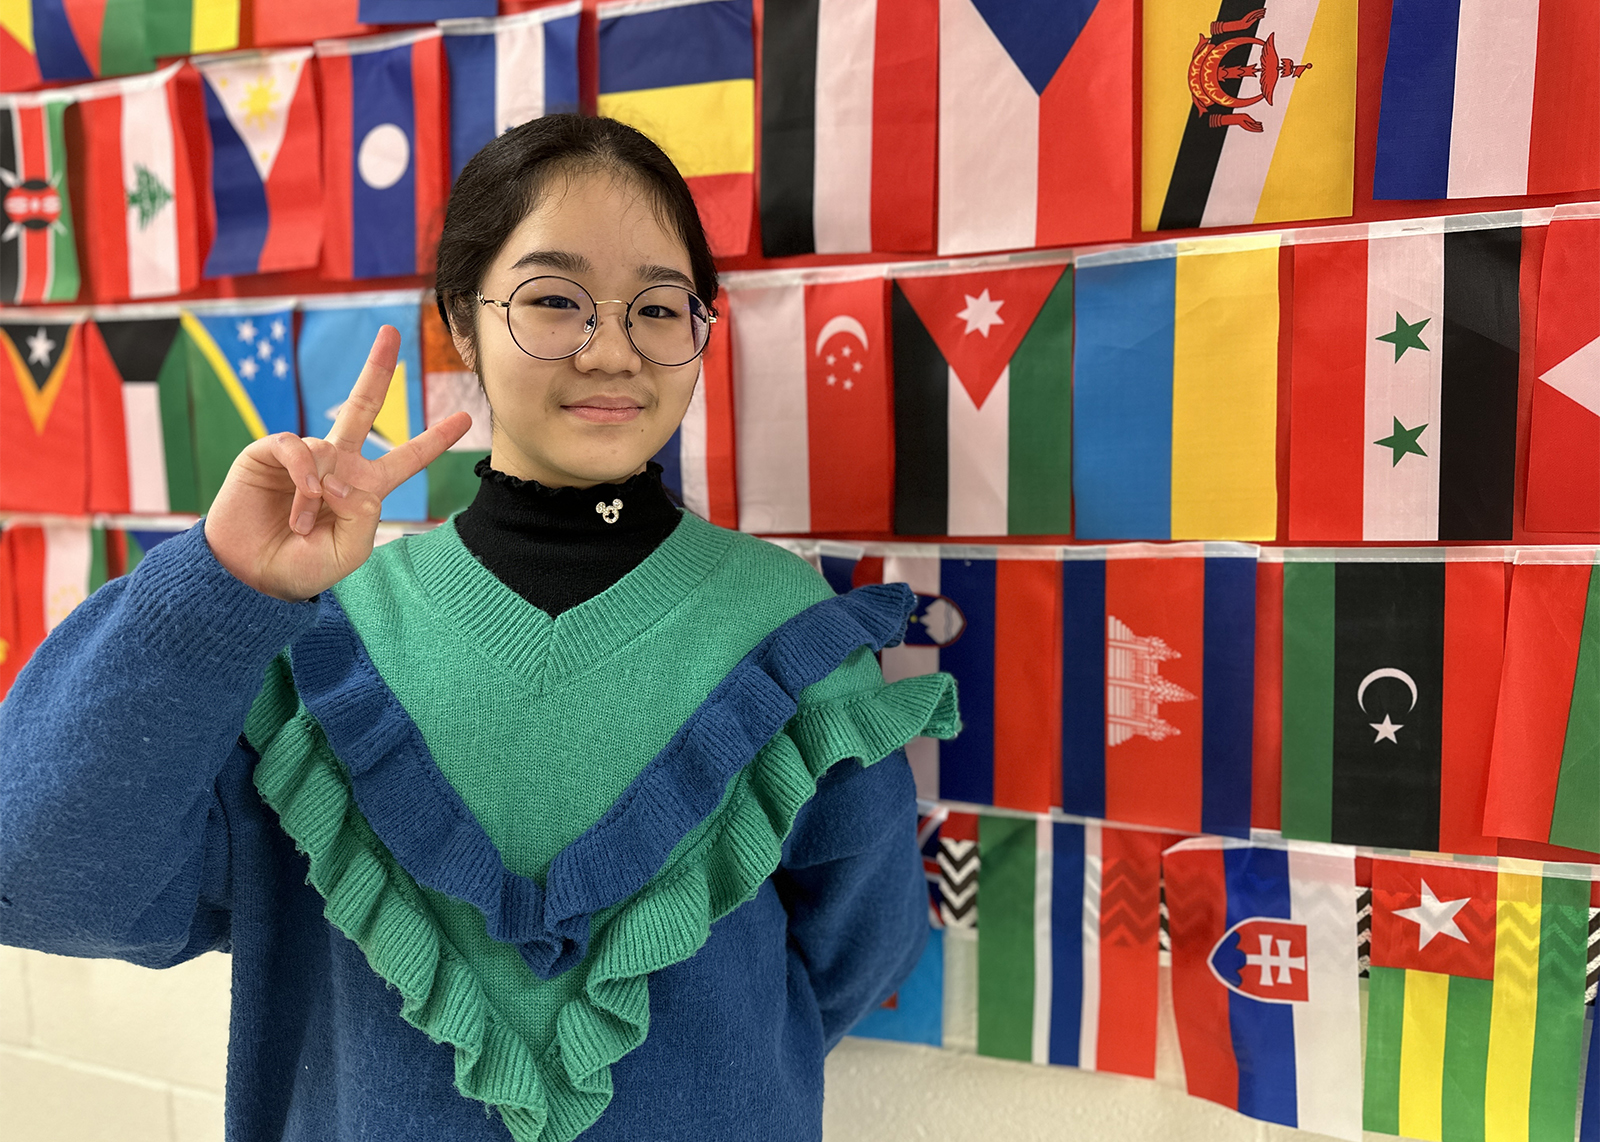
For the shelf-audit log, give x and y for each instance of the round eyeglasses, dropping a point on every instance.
(552, 318)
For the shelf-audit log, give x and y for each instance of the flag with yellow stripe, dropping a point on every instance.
(1476, 1001)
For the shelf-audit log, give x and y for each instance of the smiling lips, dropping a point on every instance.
(605, 410)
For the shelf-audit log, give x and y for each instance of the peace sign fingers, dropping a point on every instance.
(406, 460)
(366, 398)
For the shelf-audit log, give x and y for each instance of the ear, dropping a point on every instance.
(465, 348)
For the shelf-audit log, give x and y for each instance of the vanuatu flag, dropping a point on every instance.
(1475, 1003)
(38, 261)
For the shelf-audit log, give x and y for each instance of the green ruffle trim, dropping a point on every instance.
(552, 1092)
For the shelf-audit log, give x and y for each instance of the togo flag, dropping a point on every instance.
(1264, 983)
(38, 260)
(983, 402)
(506, 71)
(1403, 418)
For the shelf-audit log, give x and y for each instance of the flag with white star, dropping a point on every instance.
(44, 413)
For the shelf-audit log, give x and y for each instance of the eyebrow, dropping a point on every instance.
(568, 262)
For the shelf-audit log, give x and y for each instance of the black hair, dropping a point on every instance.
(502, 183)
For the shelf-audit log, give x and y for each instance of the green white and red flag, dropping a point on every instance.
(44, 573)
(38, 260)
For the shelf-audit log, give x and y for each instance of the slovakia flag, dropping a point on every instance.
(385, 179)
(1264, 979)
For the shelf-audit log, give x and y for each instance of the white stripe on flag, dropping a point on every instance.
(842, 182)
(979, 468)
(1043, 967)
(152, 231)
(769, 371)
(1405, 275)
(692, 472)
(1242, 167)
(66, 570)
(147, 453)
(988, 139)
(1492, 119)
(921, 574)
(518, 75)
(1089, 1024)
(1327, 1027)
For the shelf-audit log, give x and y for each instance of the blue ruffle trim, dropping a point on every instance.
(427, 826)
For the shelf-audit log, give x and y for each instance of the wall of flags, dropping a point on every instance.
(1223, 376)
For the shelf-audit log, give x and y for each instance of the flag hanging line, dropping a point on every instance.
(1494, 553)
(1047, 553)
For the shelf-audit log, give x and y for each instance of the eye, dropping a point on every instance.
(552, 301)
(659, 311)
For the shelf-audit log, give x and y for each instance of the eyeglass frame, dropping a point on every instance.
(627, 324)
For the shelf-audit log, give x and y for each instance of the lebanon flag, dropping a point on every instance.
(1403, 412)
(384, 168)
(139, 227)
(146, 359)
(849, 122)
(982, 402)
(44, 462)
(697, 461)
(1544, 777)
(38, 259)
(1069, 943)
(1264, 983)
(266, 176)
(1479, 100)
(1564, 429)
(813, 406)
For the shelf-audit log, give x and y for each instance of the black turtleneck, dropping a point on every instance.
(551, 546)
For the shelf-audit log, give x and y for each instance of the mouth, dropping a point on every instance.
(605, 410)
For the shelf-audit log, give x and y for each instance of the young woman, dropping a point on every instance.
(575, 815)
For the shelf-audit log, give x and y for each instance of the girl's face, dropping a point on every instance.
(597, 416)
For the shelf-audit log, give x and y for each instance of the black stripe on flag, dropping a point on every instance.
(1478, 390)
(139, 347)
(788, 126)
(1201, 147)
(11, 247)
(1388, 629)
(921, 426)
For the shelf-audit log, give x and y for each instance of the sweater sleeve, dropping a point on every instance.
(113, 833)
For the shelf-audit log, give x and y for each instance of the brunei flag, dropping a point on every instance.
(44, 411)
(683, 72)
(448, 387)
(1391, 666)
(145, 361)
(72, 39)
(1475, 1001)
(1403, 411)
(189, 27)
(1249, 111)
(697, 461)
(983, 402)
(1175, 390)
(38, 259)
(1544, 778)
(45, 572)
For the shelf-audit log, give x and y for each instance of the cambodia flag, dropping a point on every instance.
(383, 147)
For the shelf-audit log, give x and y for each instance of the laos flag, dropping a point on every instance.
(383, 153)
(1264, 979)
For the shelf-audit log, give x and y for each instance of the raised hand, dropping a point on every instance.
(297, 514)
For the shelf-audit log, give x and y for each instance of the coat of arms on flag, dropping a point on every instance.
(38, 261)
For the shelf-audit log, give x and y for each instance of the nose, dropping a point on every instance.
(610, 349)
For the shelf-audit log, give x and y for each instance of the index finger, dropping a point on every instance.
(361, 407)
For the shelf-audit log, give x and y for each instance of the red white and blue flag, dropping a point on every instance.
(698, 461)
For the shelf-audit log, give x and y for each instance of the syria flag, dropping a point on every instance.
(983, 402)
(849, 122)
(811, 379)
(139, 227)
(44, 435)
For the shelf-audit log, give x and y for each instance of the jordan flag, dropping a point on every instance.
(146, 359)
(44, 436)
(139, 226)
(1035, 115)
(1564, 430)
(849, 122)
(1403, 411)
(38, 260)
(983, 402)
(812, 399)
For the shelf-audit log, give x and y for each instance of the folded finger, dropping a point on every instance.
(295, 456)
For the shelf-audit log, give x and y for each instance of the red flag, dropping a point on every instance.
(108, 488)
(1434, 917)
(1266, 755)
(43, 418)
(292, 22)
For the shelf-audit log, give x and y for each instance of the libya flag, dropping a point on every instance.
(983, 402)
(38, 259)
(1390, 672)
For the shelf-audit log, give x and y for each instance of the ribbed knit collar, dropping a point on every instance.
(509, 503)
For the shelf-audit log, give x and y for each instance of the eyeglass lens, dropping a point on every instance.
(552, 318)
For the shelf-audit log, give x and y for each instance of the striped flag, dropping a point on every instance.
(38, 259)
(1035, 114)
(1544, 777)
(1478, 100)
(1264, 982)
(47, 572)
(1391, 666)
(1256, 122)
(1175, 384)
(983, 402)
(188, 27)
(139, 226)
(1068, 948)
(266, 176)
(44, 461)
(448, 386)
(849, 123)
(1403, 412)
(1475, 1005)
(1589, 1128)
(1564, 420)
(683, 72)
(812, 396)
(697, 461)
(76, 39)
(383, 153)
(1266, 767)
(506, 71)
(146, 358)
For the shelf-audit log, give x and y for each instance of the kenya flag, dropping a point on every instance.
(38, 261)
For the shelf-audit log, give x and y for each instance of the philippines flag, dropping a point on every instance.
(1264, 980)
(508, 71)
(266, 181)
(384, 170)
(1035, 114)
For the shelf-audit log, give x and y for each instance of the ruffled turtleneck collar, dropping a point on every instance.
(510, 502)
